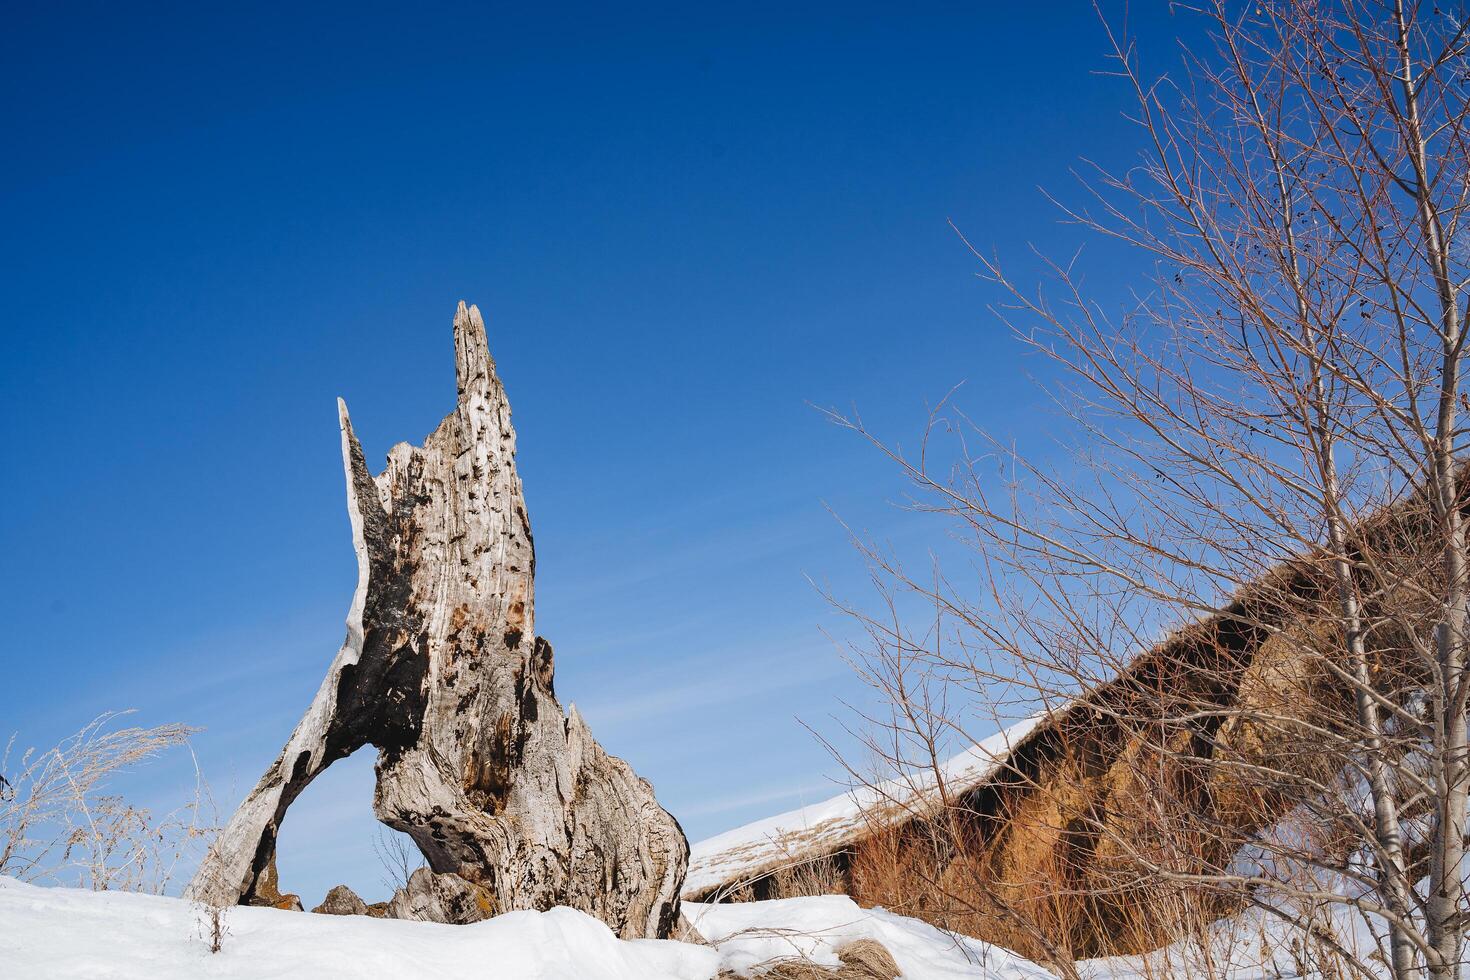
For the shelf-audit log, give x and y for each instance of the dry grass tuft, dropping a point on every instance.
(867, 958)
(861, 959)
(821, 876)
(59, 822)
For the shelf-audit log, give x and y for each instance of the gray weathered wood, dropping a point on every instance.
(442, 672)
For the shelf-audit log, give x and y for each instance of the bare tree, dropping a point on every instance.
(1268, 460)
(397, 856)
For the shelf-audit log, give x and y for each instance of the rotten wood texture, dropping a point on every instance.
(430, 897)
(443, 673)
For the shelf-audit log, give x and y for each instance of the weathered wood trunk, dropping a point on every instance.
(442, 672)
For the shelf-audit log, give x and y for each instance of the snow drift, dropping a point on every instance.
(67, 933)
(72, 934)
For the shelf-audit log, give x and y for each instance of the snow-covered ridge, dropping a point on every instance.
(825, 827)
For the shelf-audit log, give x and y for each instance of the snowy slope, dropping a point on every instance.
(68, 934)
(751, 933)
(822, 828)
(71, 934)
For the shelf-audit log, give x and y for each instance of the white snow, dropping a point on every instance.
(68, 933)
(1254, 945)
(73, 934)
(751, 933)
(824, 827)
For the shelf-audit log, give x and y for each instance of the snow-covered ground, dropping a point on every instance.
(67, 933)
(64, 933)
(749, 934)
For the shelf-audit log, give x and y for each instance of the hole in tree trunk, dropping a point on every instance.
(330, 837)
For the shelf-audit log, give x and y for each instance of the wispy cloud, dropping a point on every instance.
(744, 678)
(801, 794)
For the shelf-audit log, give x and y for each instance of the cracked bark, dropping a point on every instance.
(442, 672)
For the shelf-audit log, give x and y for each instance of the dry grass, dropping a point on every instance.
(1069, 868)
(58, 820)
(798, 877)
(818, 876)
(862, 959)
(1036, 875)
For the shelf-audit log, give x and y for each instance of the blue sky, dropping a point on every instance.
(684, 224)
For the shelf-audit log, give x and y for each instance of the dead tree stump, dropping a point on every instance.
(443, 673)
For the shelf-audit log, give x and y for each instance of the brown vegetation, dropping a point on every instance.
(1202, 742)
